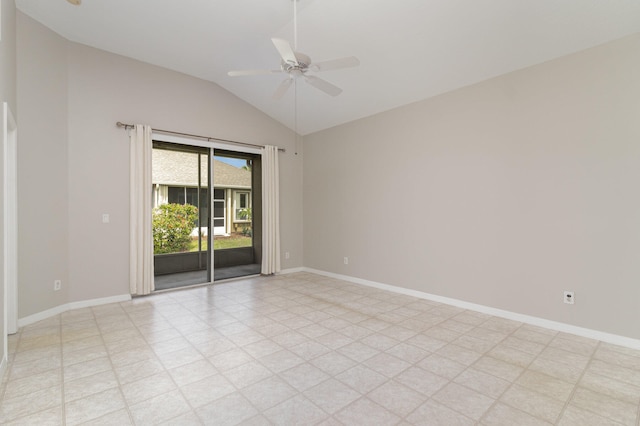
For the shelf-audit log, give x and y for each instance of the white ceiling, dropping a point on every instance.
(409, 49)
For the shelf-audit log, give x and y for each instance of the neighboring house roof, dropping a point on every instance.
(227, 176)
(175, 168)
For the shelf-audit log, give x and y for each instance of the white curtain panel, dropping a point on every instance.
(140, 225)
(270, 211)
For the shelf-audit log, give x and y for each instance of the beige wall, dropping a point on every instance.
(504, 193)
(7, 94)
(43, 196)
(92, 157)
(8, 55)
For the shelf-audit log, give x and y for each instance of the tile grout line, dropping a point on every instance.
(385, 351)
(399, 324)
(524, 370)
(362, 363)
(404, 418)
(164, 368)
(309, 361)
(486, 353)
(113, 369)
(357, 363)
(10, 367)
(577, 384)
(306, 361)
(193, 409)
(237, 347)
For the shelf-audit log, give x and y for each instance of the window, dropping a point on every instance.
(177, 194)
(218, 211)
(242, 206)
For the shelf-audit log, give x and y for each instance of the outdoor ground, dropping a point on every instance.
(220, 242)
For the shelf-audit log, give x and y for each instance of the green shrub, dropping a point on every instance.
(172, 226)
(245, 214)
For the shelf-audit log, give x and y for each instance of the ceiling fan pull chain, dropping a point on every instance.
(295, 116)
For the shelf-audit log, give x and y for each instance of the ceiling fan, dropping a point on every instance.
(297, 65)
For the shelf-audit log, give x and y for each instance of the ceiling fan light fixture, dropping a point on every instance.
(75, 2)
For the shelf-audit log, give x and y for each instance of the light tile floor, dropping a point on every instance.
(306, 349)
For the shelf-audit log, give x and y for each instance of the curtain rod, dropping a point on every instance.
(207, 138)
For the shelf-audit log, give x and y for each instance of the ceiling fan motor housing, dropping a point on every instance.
(301, 67)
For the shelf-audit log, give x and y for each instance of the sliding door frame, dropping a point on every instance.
(212, 145)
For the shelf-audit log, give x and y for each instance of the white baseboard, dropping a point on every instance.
(291, 271)
(69, 306)
(540, 322)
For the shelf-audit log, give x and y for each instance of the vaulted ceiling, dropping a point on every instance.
(409, 50)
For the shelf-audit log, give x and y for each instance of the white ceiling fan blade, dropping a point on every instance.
(285, 50)
(282, 88)
(323, 85)
(252, 72)
(334, 64)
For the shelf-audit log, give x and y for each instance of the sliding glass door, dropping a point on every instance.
(237, 233)
(195, 244)
(181, 236)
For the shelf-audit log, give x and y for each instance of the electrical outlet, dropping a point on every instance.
(346, 260)
(105, 218)
(286, 255)
(569, 297)
(57, 285)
